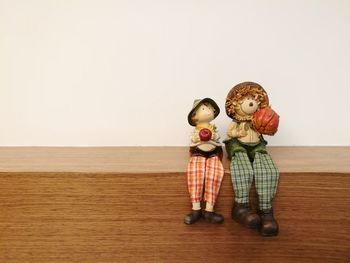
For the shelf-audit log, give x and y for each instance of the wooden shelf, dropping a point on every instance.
(127, 205)
(157, 159)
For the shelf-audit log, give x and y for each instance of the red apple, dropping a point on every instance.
(205, 134)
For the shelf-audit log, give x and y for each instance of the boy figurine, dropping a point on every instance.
(205, 168)
(247, 104)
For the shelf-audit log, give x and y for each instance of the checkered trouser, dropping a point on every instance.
(204, 173)
(263, 170)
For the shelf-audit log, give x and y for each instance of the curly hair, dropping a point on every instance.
(242, 90)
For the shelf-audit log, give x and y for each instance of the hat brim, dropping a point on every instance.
(205, 100)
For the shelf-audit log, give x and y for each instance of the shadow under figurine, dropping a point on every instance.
(247, 104)
(205, 170)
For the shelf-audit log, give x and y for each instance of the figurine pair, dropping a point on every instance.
(247, 104)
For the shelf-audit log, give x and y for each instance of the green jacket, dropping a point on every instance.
(233, 145)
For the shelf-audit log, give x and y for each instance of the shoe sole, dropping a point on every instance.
(255, 226)
(208, 220)
(269, 234)
(187, 222)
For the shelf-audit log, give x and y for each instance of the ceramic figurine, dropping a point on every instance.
(247, 104)
(205, 170)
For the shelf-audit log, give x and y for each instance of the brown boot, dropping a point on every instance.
(269, 226)
(213, 217)
(193, 217)
(243, 214)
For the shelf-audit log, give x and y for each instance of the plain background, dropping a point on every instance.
(116, 73)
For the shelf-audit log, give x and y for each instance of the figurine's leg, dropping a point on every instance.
(195, 182)
(195, 178)
(213, 178)
(242, 176)
(266, 181)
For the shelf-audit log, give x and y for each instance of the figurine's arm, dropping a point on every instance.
(234, 131)
(195, 136)
(215, 136)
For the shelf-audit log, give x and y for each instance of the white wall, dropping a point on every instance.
(84, 72)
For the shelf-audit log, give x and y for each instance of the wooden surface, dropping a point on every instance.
(157, 159)
(58, 213)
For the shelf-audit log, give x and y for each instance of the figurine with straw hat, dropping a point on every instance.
(247, 104)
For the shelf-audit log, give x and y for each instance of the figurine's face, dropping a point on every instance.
(249, 105)
(204, 113)
(246, 107)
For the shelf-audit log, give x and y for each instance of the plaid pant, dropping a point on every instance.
(204, 173)
(262, 169)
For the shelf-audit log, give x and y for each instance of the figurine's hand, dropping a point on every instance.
(195, 138)
(215, 136)
(237, 133)
(242, 133)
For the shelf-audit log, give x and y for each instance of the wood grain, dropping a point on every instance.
(138, 217)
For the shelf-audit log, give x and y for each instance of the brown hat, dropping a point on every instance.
(242, 90)
(196, 105)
